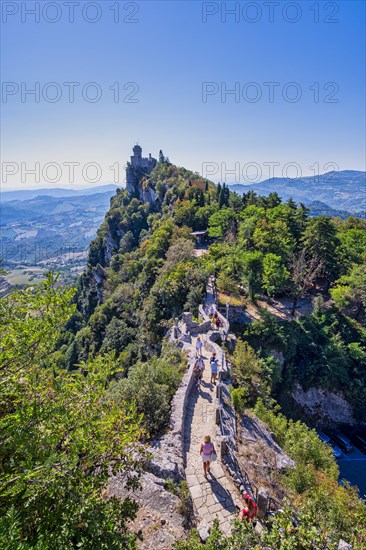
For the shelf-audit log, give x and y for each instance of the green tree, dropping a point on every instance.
(352, 246)
(218, 191)
(247, 372)
(275, 275)
(273, 237)
(235, 202)
(349, 292)
(321, 243)
(117, 335)
(272, 200)
(223, 197)
(185, 214)
(219, 222)
(303, 274)
(252, 271)
(291, 216)
(151, 385)
(251, 198)
(62, 437)
(71, 356)
(250, 216)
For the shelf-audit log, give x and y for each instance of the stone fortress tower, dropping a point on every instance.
(136, 168)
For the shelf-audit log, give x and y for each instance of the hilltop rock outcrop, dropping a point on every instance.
(137, 168)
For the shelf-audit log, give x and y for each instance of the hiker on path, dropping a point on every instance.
(208, 454)
(211, 311)
(250, 509)
(199, 347)
(216, 320)
(214, 365)
(198, 369)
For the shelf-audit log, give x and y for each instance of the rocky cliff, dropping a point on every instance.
(324, 407)
(137, 172)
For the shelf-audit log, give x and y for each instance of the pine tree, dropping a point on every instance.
(222, 196)
(226, 195)
(71, 356)
(292, 203)
(320, 242)
(218, 190)
(272, 200)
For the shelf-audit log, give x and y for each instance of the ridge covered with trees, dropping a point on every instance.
(87, 378)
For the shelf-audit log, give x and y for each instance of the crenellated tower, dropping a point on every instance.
(136, 169)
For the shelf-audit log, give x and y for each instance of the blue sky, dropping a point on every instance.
(168, 53)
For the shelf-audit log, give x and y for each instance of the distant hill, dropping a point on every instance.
(42, 227)
(27, 194)
(344, 190)
(318, 208)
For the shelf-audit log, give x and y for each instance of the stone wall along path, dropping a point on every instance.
(215, 496)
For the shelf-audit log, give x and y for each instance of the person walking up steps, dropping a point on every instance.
(214, 365)
(217, 321)
(198, 369)
(208, 454)
(199, 347)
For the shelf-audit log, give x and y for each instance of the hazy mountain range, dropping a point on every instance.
(26, 194)
(45, 226)
(341, 191)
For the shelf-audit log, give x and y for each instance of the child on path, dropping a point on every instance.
(208, 454)
(250, 510)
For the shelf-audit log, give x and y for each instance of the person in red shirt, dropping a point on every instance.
(250, 510)
(217, 321)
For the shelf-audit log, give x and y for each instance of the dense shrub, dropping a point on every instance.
(151, 385)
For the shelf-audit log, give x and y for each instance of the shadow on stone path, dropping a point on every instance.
(221, 494)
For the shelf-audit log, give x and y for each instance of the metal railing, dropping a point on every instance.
(245, 477)
(273, 505)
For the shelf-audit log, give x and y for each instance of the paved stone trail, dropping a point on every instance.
(209, 293)
(215, 496)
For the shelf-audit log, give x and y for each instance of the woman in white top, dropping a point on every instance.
(208, 454)
(199, 347)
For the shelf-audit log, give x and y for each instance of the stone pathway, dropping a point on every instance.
(210, 298)
(215, 496)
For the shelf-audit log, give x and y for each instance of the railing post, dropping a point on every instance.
(223, 448)
(218, 413)
(262, 502)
